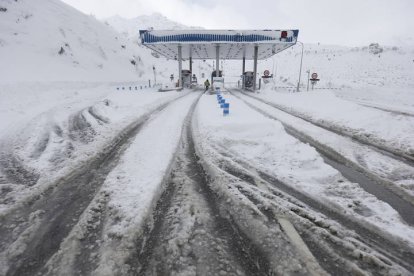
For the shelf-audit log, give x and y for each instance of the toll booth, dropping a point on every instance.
(194, 80)
(187, 77)
(213, 75)
(247, 79)
(217, 82)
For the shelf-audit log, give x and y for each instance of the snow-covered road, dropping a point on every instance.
(155, 183)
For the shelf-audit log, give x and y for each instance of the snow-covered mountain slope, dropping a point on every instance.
(130, 27)
(47, 40)
(351, 67)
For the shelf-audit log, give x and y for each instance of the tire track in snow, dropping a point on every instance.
(93, 246)
(190, 234)
(30, 235)
(394, 112)
(383, 149)
(399, 200)
(379, 107)
(15, 171)
(393, 249)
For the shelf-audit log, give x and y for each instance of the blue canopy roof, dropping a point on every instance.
(234, 44)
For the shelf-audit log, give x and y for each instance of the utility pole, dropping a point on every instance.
(256, 53)
(274, 71)
(300, 71)
(307, 87)
(180, 67)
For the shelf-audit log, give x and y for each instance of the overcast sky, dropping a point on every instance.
(343, 22)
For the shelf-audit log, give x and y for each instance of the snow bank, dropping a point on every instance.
(368, 124)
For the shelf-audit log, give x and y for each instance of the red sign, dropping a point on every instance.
(266, 73)
(314, 76)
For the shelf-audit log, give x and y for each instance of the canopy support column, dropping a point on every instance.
(217, 60)
(191, 61)
(256, 52)
(243, 70)
(180, 66)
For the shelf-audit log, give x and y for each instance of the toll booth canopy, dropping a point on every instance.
(233, 44)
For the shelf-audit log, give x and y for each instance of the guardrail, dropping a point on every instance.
(135, 86)
(304, 89)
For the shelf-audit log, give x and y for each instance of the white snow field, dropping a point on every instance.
(101, 174)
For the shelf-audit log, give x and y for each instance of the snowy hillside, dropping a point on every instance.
(353, 67)
(130, 27)
(47, 40)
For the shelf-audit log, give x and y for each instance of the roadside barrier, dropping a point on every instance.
(222, 103)
(303, 89)
(135, 87)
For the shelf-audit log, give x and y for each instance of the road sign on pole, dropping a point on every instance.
(266, 73)
(314, 79)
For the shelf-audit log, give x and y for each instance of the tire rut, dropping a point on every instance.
(393, 153)
(16, 172)
(58, 209)
(399, 200)
(394, 112)
(191, 232)
(393, 249)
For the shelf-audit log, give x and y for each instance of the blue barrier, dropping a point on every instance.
(222, 103)
(226, 109)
